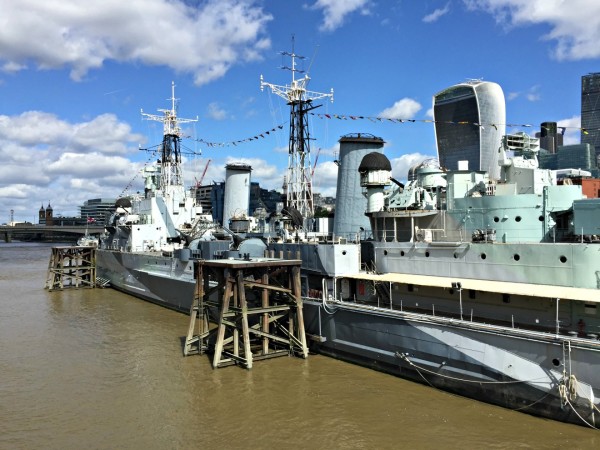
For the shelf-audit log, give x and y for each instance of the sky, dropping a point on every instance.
(75, 75)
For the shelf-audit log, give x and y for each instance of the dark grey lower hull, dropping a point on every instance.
(524, 372)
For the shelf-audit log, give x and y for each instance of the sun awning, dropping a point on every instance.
(504, 287)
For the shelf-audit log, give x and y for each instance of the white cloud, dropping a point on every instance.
(91, 165)
(572, 130)
(401, 164)
(269, 175)
(48, 159)
(533, 94)
(574, 25)
(435, 15)
(36, 128)
(325, 178)
(216, 112)
(205, 40)
(405, 108)
(335, 11)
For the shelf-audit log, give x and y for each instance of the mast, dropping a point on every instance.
(298, 183)
(170, 161)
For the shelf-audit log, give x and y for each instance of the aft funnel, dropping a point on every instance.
(237, 193)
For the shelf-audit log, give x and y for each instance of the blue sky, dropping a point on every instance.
(74, 76)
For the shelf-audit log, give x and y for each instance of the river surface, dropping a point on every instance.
(95, 368)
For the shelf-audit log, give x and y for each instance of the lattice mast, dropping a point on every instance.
(298, 183)
(171, 178)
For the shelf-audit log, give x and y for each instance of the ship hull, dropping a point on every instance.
(164, 280)
(517, 370)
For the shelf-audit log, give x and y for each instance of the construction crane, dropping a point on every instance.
(199, 182)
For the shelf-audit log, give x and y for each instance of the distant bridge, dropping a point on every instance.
(43, 232)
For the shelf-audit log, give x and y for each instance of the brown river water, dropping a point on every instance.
(95, 368)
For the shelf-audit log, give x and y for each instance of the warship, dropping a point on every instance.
(147, 247)
(483, 287)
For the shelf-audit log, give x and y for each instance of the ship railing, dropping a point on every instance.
(368, 267)
(470, 321)
(547, 326)
(490, 189)
(346, 238)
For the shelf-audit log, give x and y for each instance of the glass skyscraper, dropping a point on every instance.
(470, 120)
(590, 111)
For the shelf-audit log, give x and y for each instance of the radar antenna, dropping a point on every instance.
(171, 149)
(298, 180)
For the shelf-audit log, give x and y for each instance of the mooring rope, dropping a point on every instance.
(566, 390)
(568, 402)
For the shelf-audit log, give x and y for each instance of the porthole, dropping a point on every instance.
(455, 255)
(496, 219)
(426, 254)
(556, 362)
(343, 252)
(541, 218)
(518, 219)
(402, 253)
(563, 259)
(385, 252)
(516, 257)
(483, 256)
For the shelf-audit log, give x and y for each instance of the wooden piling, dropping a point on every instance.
(71, 267)
(255, 308)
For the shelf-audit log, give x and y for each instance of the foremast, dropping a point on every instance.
(171, 178)
(298, 182)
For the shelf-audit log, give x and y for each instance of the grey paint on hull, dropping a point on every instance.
(508, 371)
(127, 272)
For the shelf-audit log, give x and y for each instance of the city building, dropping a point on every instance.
(203, 197)
(576, 156)
(97, 209)
(46, 216)
(470, 120)
(550, 138)
(590, 111)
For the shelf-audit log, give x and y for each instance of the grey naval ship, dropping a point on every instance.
(482, 286)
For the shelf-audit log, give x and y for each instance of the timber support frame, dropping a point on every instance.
(247, 310)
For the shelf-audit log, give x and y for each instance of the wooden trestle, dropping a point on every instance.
(71, 267)
(246, 310)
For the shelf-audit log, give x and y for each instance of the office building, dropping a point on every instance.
(470, 120)
(590, 111)
(549, 136)
(97, 209)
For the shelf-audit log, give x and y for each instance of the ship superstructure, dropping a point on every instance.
(486, 288)
(166, 215)
(150, 237)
